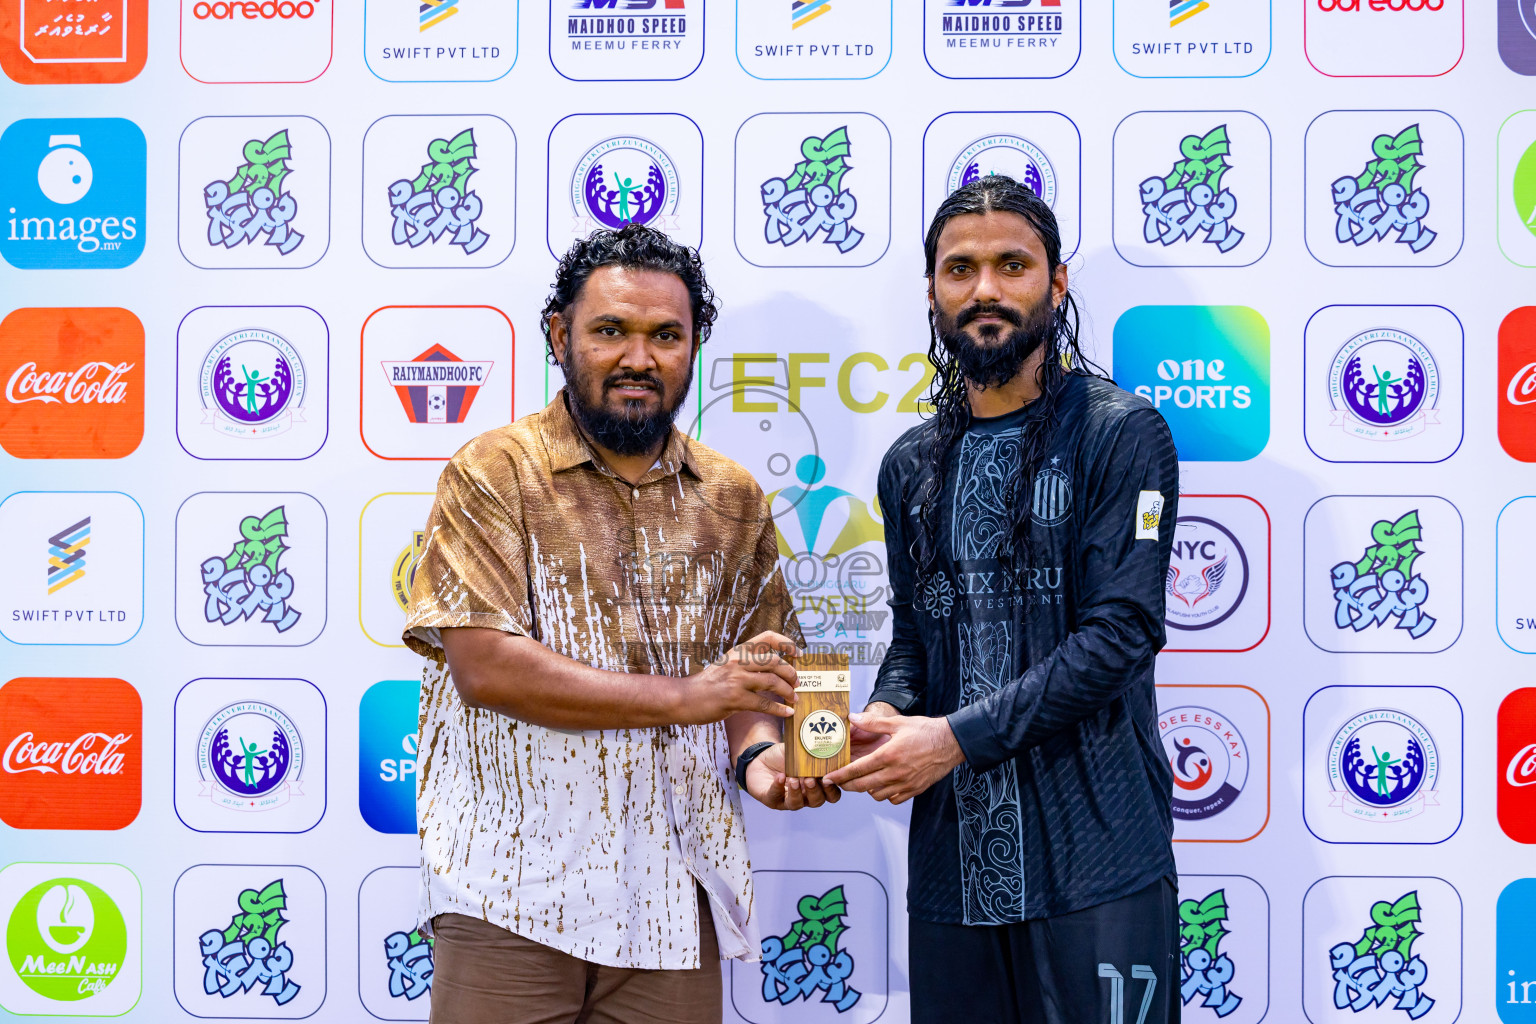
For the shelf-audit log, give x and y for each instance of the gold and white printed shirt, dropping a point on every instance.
(590, 842)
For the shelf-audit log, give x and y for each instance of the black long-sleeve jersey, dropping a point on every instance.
(1045, 674)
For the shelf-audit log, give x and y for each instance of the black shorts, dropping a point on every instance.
(1116, 962)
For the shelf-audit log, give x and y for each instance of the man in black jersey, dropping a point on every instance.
(1028, 526)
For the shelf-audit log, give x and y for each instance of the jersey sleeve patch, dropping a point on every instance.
(1149, 513)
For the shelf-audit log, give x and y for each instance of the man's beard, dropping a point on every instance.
(995, 364)
(627, 431)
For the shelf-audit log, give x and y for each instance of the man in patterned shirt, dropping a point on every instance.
(1029, 525)
(606, 629)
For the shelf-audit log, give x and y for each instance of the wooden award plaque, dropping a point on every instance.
(816, 739)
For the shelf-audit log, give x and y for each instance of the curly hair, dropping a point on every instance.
(951, 406)
(636, 247)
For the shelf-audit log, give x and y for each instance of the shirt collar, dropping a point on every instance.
(568, 447)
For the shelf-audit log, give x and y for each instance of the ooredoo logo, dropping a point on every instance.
(73, 383)
(1517, 384)
(256, 40)
(1517, 765)
(70, 753)
(45, 42)
(1386, 38)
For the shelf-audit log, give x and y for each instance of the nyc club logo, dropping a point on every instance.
(1515, 952)
(814, 39)
(391, 537)
(1382, 949)
(252, 382)
(1517, 384)
(250, 755)
(1382, 764)
(1216, 742)
(1042, 150)
(1384, 38)
(608, 170)
(440, 40)
(824, 962)
(84, 583)
(1517, 35)
(1397, 587)
(1516, 763)
(826, 198)
(73, 753)
(439, 191)
(625, 40)
(250, 569)
(44, 42)
(1002, 38)
(1383, 383)
(394, 958)
(386, 755)
(1216, 594)
(249, 940)
(1517, 188)
(423, 399)
(1384, 188)
(73, 939)
(254, 192)
(74, 193)
(1192, 38)
(1206, 201)
(1206, 369)
(256, 41)
(74, 383)
(1223, 927)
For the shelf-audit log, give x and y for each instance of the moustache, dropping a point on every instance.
(622, 378)
(1005, 313)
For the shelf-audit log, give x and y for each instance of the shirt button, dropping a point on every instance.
(678, 789)
(635, 493)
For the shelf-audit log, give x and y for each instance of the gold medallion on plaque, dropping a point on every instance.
(816, 739)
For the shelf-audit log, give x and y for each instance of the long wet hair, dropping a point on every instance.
(948, 395)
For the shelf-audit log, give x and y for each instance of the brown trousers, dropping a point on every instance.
(484, 974)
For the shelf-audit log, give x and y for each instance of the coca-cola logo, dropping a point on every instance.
(1381, 5)
(99, 382)
(1522, 386)
(81, 756)
(1522, 767)
(252, 10)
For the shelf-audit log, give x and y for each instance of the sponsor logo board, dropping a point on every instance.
(433, 378)
(1382, 574)
(74, 383)
(1205, 369)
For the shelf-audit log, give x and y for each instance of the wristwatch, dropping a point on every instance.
(747, 757)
